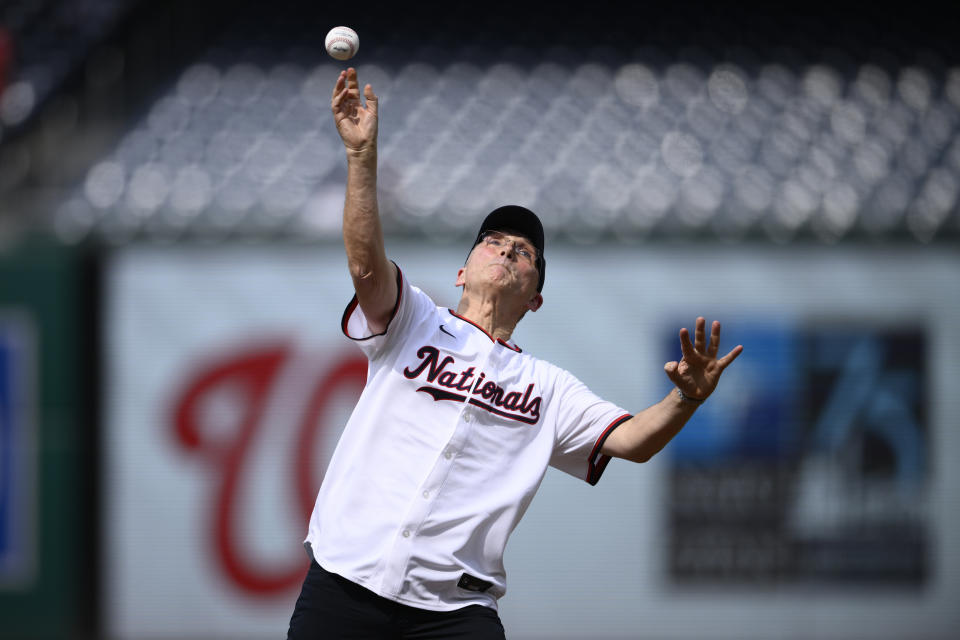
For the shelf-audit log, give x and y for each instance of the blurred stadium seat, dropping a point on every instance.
(694, 123)
(42, 42)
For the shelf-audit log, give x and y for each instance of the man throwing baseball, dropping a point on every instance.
(456, 426)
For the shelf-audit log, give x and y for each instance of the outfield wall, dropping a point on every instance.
(814, 491)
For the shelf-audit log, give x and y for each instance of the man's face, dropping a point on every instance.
(505, 261)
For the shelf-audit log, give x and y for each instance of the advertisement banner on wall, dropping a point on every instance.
(228, 381)
(825, 485)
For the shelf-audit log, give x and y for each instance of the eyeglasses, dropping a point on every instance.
(497, 239)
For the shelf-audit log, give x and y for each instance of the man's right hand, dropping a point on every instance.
(356, 122)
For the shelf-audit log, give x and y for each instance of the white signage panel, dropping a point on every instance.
(228, 381)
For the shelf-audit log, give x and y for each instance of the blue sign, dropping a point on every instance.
(17, 451)
(753, 414)
(809, 464)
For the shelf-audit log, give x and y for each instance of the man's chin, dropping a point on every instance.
(505, 287)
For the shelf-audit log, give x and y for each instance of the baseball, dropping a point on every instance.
(342, 43)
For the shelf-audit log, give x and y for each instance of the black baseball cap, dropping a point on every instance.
(521, 220)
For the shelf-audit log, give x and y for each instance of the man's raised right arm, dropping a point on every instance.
(374, 277)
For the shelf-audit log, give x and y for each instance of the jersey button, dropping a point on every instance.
(448, 454)
(466, 417)
(426, 494)
(406, 533)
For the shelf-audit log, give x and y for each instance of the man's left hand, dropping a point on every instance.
(698, 372)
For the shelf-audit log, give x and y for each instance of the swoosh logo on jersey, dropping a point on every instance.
(447, 332)
(440, 394)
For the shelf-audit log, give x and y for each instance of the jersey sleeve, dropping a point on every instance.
(584, 420)
(411, 305)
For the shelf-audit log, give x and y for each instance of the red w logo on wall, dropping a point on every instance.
(256, 374)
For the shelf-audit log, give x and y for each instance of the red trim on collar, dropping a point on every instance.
(500, 340)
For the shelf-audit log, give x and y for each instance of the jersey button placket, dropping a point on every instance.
(398, 566)
(467, 414)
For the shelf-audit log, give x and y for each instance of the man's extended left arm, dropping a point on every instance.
(695, 376)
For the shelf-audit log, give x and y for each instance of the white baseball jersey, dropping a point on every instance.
(443, 453)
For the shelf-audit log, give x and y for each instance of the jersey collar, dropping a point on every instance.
(508, 345)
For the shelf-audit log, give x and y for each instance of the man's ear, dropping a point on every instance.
(460, 281)
(535, 302)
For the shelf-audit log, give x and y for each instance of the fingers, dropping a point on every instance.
(698, 345)
(371, 99)
(714, 340)
(338, 87)
(341, 91)
(347, 85)
(346, 94)
(730, 357)
(351, 74)
(352, 87)
(686, 347)
(672, 371)
(699, 368)
(337, 101)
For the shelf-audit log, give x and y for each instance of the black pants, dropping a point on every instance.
(331, 607)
